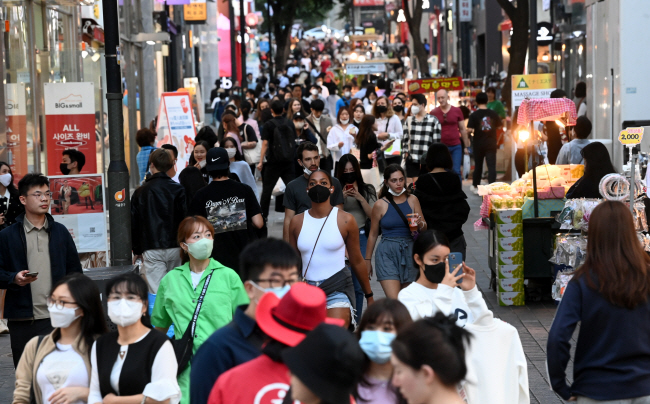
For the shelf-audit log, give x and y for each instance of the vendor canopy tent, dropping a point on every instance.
(545, 109)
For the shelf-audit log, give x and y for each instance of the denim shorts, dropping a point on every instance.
(336, 299)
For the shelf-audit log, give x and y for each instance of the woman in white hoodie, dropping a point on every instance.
(341, 137)
(436, 287)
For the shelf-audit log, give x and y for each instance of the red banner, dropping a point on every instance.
(16, 130)
(70, 123)
(434, 84)
(364, 3)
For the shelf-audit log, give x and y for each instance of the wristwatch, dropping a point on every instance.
(369, 295)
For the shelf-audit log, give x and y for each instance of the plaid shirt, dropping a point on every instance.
(419, 135)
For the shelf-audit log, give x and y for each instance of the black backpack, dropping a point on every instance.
(284, 143)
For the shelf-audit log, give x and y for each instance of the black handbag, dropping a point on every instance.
(183, 348)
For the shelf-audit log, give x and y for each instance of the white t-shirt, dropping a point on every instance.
(63, 367)
(163, 384)
(196, 278)
(424, 302)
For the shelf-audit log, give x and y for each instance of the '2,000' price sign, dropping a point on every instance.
(631, 136)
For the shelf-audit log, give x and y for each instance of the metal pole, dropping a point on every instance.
(242, 33)
(271, 64)
(532, 39)
(233, 55)
(119, 204)
(632, 178)
(535, 200)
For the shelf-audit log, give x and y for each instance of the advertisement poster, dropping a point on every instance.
(432, 85)
(15, 112)
(532, 86)
(78, 203)
(176, 126)
(365, 68)
(70, 123)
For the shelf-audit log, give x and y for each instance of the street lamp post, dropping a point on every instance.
(119, 206)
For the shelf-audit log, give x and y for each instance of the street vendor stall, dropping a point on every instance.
(521, 239)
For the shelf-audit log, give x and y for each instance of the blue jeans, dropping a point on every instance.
(456, 157)
(358, 292)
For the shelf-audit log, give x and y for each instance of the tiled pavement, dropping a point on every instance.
(533, 321)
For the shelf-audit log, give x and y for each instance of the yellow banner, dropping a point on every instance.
(533, 81)
(631, 136)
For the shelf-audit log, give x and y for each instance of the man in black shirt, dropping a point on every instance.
(276, 166)
(484, 122)
(230, 206)
(296, 199)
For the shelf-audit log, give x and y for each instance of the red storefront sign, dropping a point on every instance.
(15, 112)
(432, 85)
(70, 123)
(365, 3)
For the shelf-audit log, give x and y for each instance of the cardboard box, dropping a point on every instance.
(510, 258)
(510, 271)
(510, 244)
(511, 285)
(510, 230)
(511, 298)
(507, 216)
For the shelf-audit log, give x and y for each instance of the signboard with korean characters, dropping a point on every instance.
(70, 124)
(365, 68)
(16, 114)
(432, 85)
(176, 126)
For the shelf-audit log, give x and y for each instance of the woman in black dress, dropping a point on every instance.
(10, 206)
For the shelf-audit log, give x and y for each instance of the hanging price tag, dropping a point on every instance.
(631, 136)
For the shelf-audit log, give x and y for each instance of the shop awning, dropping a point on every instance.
(505, 25)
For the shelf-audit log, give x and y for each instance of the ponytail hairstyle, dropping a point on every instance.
(390, 170)
(436, 342)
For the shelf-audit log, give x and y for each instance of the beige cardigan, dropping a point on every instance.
(30, 362)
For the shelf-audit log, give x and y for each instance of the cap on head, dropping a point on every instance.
(217, 159)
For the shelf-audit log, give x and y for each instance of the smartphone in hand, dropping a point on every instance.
(455, 259)
(348, 187)
(31, 274)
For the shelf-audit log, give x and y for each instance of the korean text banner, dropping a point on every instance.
(70, 124)
(532, 86)
(15, 112)
(176, 126)
(432, 85)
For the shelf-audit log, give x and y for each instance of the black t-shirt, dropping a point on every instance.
(296, 198)
(485, 123)
(366, 149)
(229, 206)
(267, 134)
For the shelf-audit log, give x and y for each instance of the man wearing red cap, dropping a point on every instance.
(265, 380)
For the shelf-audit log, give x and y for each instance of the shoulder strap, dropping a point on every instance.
(387, 121)
(399, 211)
(316, 130)
(436, 181)
(199, 304)
(317, 238)
(245, 134)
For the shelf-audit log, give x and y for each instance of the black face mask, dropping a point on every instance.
(271, 89)
(398, 108)
(435, 273)
(64, 169)
(381, 109)
(319, 194)
(349, 178)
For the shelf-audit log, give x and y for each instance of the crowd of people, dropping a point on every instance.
(370, 187)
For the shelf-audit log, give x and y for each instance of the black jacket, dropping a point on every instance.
(157, 208)
(15, 209)
(445, 208)
(64, 260)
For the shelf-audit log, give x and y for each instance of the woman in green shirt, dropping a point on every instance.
(180, 289)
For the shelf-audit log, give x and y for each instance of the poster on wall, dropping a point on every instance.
(70, 124)
(176, 126)
(16, 115)
(78, 203)
(531, 86)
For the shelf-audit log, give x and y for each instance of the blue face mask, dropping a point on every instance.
(279, 292)
(376, 344)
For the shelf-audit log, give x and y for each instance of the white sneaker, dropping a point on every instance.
(473, 189)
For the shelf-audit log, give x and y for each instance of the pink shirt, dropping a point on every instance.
(450, 134)
(378, 392)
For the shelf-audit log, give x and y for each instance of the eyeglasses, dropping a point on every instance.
(59, 304)
(40, 195)
(276, 282)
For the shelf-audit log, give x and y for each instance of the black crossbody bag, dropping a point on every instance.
(183, 347)
(414, 234)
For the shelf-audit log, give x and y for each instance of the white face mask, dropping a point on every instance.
(5, 179)
(314, 92)
(415, 109)
(124, 312)
(395, 193)
(62, 318)
(231, 152)
(345, 121)
(347, 94)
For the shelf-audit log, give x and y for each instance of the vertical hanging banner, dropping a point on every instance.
(465, 11)
(16, 115)
(70, 122)
(176, 126)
